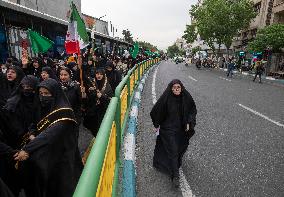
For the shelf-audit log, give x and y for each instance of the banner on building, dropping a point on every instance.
(19, 43)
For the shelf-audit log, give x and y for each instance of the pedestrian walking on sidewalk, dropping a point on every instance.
(174, 116)
(231, 67)
(259, 70)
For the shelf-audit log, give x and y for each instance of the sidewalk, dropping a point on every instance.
(266, 79)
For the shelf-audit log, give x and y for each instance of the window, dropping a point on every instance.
(257, 7)
(253, 32)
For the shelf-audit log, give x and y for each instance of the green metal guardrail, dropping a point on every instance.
(100, 174)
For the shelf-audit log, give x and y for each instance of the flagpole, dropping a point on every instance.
(80, 65)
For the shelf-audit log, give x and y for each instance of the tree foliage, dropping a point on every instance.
(147, 46)
(220, 20)
(174, 51)
(195, 49)
(271, 36)
(190, 34)
(127, 36)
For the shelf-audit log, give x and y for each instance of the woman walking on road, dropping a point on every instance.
(174, 116)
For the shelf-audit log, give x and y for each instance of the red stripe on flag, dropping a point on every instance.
(71, 47)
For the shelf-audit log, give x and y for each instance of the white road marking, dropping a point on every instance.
(154, 86)
(129, 147)
(192, 78)
(225, 79)
(261, 115)
(184, 186)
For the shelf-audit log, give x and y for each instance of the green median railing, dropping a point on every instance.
(100, 175)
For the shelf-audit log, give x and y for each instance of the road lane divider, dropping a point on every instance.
(190, 77)
(261, 115)
(225, 79)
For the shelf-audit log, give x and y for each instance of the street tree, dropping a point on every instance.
(218, 21)
(127, 36)
(173, 51)
(195, 50)
(190, 34)
(269, 37)
(147, 46)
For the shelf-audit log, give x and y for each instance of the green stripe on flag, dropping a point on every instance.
(81, 28)
(40, 44)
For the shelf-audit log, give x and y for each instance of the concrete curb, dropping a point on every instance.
(267, 79)
(129, 172)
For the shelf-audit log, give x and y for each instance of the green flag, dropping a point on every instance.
(79, 27)
(149, 53)
(40, 44)
(135, 50)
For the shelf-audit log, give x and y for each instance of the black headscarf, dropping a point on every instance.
(12, 102)
(8, 87)
(50, 72)
(188, 110)
(100, 83)
(109, 64)
(59, 98)
(20, 73)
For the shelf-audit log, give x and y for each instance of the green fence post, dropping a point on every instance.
(139, 67)
(128, 86)
(90, 177)
(118, 91)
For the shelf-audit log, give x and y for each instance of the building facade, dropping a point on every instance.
(16, 18)
(268, 12)
(56, 8)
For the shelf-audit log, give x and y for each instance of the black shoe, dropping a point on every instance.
(175, 181)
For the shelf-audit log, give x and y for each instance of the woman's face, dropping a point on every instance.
(28, 88)
(176, 88)
(90, 62)
(99, 76)
(3, 68)
(44, 92)
(35, 64)
(11, 75)
(64, 76)
(44, 75)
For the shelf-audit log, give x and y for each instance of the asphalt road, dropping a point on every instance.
(235, 152)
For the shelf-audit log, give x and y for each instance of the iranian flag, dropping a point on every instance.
(76, 37)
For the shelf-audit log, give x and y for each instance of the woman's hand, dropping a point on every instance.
(99, 94)
(83, 92)
(92, 88)
(187, 127)
(83, 89)
(21, 156)
(32, 137)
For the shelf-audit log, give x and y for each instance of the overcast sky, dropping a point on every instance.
(159, 22)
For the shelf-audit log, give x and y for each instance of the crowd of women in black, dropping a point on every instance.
(42, 104)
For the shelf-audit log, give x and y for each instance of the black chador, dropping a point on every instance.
(176, 117)
(20, 110)
(113, 76)
(7, 85)
(53, 154)
(4, 190)
(73, 93)
(96, 105)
